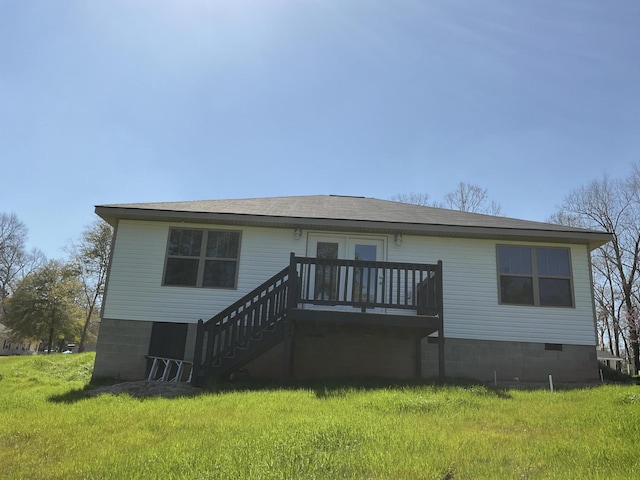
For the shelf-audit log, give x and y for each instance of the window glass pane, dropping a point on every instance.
(553, 261)
(181, 271)
(218, 273)
(517, 290)
(515, 260)
(174, 242)
(223, 244)
(233, 247)
(555, 292)
(186, 243)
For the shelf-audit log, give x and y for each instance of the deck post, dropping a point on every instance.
(441, 328)
(197, 352)
(293, 295)
(418, 358)
(288, 350)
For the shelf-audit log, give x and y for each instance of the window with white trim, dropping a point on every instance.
(202, 258)
(539, 276)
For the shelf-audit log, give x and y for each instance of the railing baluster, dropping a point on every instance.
(366, 283)
(413, 287)
(307, 292)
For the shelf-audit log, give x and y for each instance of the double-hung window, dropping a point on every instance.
(538, 276)
(202, 258)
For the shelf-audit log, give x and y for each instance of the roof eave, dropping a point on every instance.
(592, 239)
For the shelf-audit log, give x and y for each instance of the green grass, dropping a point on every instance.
(48, 429)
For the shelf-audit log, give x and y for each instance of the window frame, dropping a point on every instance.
(202, 258)
(535, 276)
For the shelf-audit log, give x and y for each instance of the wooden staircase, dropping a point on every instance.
(244, 330)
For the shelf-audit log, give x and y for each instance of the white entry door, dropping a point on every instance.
(364, 282)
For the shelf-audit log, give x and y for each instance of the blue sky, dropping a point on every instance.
(136, 101)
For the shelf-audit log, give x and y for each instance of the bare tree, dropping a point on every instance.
(467, 197)
(15, 261)
(614, 206)
(422, 199)
(90, 256)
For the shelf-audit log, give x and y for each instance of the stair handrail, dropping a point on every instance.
(273, 293)
(234, 306)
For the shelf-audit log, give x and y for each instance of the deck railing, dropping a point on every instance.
(369, 284)
(324, 282)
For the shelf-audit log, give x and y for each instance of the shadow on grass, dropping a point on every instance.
(341, 389)
(332, 388)
(327, 388)
(71, 396)
(323, 389)
(87, 391)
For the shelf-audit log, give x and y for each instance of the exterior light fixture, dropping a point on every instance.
(297, 233)
(398, 239)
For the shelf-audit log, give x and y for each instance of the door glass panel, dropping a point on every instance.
(327, 250)
(326, 287)
(366, 252)
(364, 279)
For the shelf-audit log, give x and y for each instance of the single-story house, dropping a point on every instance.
(11, 346)
(610, 360)
(329, 286)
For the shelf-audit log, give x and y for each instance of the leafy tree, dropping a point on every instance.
(90, 256)
(612, 205)
(467, 197)
(15, 261)
(45, 305)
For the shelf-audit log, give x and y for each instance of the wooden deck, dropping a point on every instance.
(333, 293)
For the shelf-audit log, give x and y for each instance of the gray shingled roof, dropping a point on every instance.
(342, 212)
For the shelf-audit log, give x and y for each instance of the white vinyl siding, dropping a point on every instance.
(472, 310)
(471, 303)
(135, 290)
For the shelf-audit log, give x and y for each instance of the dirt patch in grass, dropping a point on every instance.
(147, 389)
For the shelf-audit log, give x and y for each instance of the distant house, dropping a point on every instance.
(334, 286)
(13, 347)
(610, 360)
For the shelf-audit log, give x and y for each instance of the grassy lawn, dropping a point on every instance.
(411, 432)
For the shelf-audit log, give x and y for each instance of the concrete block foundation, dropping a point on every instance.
(122, 346)
(511, 361)
(121, 349)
